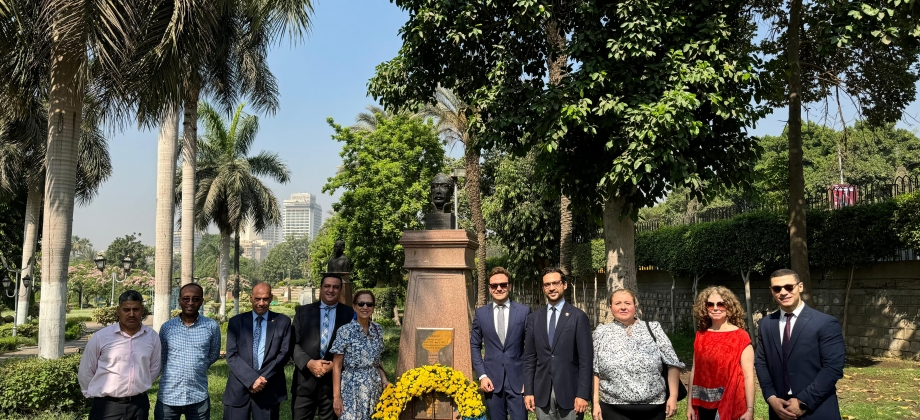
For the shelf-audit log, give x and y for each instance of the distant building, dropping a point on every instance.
(273, 234)
(302, 216)
(256, 250)
(177, 241)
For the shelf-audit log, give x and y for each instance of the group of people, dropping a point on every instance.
(335, 351)
(549, 361)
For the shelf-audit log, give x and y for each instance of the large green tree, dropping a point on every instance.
(289, 259)
(230, 192)
(129, 246)
(384, 179)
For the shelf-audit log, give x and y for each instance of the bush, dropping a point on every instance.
(13, 343)
(386, 301)
(106, 315)
(907, 219)
(217, 317)
(8, 319)
(79, 318)
(298, 283)
(74, 329)
(31, 385)
(174, 313)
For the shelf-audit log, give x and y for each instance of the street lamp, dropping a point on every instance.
(127, 264)
(11, 289)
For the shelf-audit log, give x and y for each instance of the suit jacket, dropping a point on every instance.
(306, 344)
(502, 363)
(239, 359)
(566, 365)
(815, 361)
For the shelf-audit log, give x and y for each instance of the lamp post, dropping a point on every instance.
(456, 174)
(9, 287)
(127, 264)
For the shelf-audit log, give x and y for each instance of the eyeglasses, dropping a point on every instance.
(187, 299)
(788, 287)
(363, 304)
(556, 283)
(720, 305)
(496, 286)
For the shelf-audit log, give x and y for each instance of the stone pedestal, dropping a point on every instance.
(440, 265)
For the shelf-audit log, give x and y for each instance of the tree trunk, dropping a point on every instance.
(189, 157)
(673, 308)
(798, 246)
(746, 276)
(696, 284)
(473, 194)
(846, 302)
(166, 177)
(236, 272)
(30, 239)
(64, 119)
(555, 63)
(620, 245)
(223, 271)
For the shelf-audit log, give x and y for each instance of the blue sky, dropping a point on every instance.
(323, 76)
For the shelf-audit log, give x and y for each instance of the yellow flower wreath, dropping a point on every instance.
(430, 378)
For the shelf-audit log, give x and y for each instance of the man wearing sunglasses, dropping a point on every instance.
(499, 328)
(800, 355)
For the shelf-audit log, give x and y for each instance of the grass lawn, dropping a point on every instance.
(870, 389)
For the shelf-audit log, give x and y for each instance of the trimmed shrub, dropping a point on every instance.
(29, 329)
(8, 319)
(31, 385)
(74, 329)
(79, 318)
(106, 315)
(907, 219)
(174, 313)
(13, 343)
(217, 317)
(386, 301)
(298, 283)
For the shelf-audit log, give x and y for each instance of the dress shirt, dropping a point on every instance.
(549, 312)
(261, 350)
(331, 327)
(115, 364)
(506, 315)
(782, 320)
(188, 351)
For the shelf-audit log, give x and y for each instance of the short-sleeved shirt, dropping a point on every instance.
(188, 352)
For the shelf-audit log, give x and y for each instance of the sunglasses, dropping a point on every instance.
(363, 304)
(788, 287)
(496, 286)
(720, 305)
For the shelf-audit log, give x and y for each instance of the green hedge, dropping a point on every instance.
(13, 343)
(31, 385)
(906, 220)
(387, 299)
(29, 329)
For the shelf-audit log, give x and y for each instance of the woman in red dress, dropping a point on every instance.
(722, 378)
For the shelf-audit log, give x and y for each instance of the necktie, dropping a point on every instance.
(501, 324)
(324, 338)
(552, 326)
(787, 347)
(256, 338)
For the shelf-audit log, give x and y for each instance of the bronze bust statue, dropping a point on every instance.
(442, 190)
(339, 263)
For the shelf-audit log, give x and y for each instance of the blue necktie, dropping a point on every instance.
(324, 338)
(256, 338)
(552, 326)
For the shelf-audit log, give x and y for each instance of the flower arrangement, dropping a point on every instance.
(430, 378)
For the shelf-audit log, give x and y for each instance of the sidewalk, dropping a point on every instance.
(72, 346)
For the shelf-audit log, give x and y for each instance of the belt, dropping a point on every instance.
(124, 400)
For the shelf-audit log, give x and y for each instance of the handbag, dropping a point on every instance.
(681, 389)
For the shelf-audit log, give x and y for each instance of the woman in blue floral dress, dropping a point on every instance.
(357, 378)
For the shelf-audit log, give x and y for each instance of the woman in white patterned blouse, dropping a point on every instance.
(627, 366)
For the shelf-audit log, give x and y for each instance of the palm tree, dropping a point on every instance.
(452, 115)
(230, 193)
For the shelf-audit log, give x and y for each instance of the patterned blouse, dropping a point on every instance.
(628, 362)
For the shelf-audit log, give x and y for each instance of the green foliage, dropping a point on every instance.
(74, 329)
(588, 257)
(386, 300)
(32, 385)
(174, 313)
(287, 259)
(322, 247)
(79, 318)
(106, 315)
(129, 245)
(854, 235)
(29, 329)
(384, 179)
(907, 219)
(13, 343)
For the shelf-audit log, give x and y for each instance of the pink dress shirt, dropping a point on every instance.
(115, 364)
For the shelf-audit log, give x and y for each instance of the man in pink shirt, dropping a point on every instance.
(120, 363)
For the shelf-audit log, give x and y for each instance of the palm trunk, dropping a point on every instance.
(620, 245)
(166, 175)
(189, 157)
(223, 271)
(798, 246)
(565, 234)
(64, 119)
(555, 63)
(473, 176)
(30, 239)
(236, 272)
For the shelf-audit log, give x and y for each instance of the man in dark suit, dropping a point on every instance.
(315, 328)
(800, 355)
(499, 327)
(558, 355)
(258, 348)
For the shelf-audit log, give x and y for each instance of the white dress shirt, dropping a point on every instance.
(782, 321)
(506, 315)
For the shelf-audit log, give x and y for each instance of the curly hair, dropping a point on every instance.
(733, 308)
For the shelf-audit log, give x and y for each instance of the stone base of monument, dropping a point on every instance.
(348, 288)
(436, 324)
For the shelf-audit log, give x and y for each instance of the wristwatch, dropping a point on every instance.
(803, 406)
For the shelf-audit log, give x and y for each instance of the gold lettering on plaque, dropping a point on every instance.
(434, 346)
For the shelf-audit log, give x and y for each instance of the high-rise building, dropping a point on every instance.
(273, 234)
(302, 216)
(177, 241)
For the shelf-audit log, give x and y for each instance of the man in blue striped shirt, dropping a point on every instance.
(190, 344)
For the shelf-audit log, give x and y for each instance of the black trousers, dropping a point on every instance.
(304, 406)
(707, 414)
(133, 408)
(632, 411)
(253, 411)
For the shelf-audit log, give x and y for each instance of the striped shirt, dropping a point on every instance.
(188, 352)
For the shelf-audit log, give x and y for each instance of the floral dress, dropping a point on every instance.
(361, 385)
